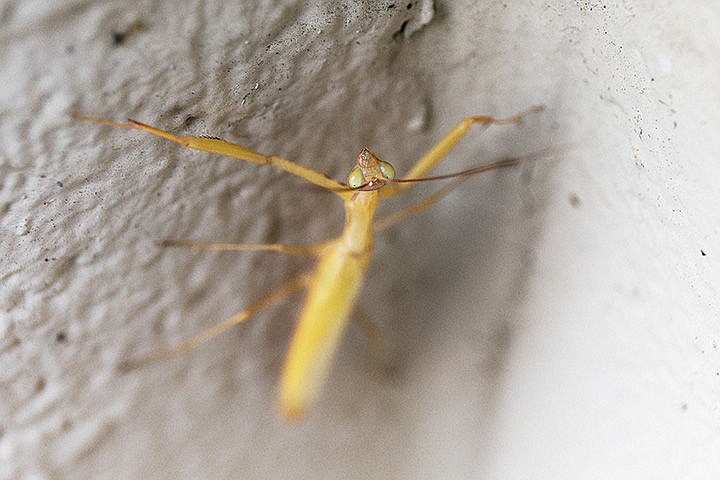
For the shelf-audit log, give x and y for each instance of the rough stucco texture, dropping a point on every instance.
(555, 320)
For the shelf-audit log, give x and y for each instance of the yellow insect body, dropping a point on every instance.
(334, 285)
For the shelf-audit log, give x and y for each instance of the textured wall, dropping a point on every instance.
(557, 320)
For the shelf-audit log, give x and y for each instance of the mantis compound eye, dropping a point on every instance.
(387, 170)
(356, 178)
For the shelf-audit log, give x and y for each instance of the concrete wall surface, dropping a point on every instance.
(555, 320)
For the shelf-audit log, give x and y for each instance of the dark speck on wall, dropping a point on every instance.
(574, 200)
(117, 37)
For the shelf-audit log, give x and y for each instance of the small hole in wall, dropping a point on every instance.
(117, 37)
(399, 33)
(189, 121)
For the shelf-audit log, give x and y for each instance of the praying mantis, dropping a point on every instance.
(335, 283)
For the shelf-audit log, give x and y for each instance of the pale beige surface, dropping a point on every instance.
(534, 336)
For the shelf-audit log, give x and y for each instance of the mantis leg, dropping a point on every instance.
(396, 217)
(228, 149)
(292, 286)
(438, 151)
(299, 250)
(391, 219)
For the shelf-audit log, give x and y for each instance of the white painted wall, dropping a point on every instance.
(558, 320)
